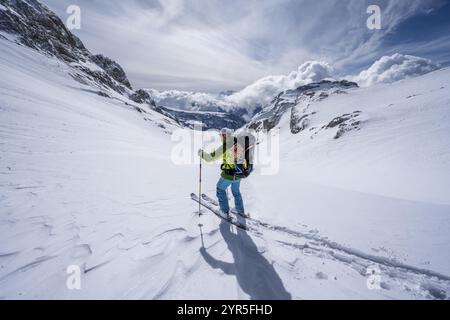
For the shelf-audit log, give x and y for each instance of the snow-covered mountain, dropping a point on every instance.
(359, 208)
(270, 115)
(262, 102)
(34, 25)
(86, 182)
(209, 119)
(191, 101)
(249, 101)
(196, 106)
(262, 91)
(400, 131)
(191, 107)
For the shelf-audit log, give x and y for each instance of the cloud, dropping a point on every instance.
(256, 94)
(386, 70)
(190, 100)
(394, 68)
(264, 90)
(214, 45)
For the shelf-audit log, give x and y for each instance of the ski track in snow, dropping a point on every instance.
(431, 283)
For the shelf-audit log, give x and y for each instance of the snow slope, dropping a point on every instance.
(370, 170)
(397, 143)
(86, 181)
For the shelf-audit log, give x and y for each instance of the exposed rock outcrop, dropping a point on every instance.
(39, 28)
(271, 114)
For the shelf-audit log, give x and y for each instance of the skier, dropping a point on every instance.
(237, 165)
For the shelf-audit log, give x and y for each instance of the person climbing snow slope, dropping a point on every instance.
(236, 153)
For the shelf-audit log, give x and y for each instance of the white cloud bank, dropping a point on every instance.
(394, 68)
(388, 69)
(264, 90)
(187, 100)
(215, 45)
(256, 94)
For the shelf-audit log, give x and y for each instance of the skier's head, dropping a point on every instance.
(225, 132)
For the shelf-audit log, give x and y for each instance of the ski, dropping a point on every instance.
(211, 207)
(215, 203)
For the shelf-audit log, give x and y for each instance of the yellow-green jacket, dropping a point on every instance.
(227, 156)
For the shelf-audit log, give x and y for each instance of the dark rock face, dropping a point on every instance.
(269, 117)
(112, 68)
(299, 122)
(271, 114)
(142, 96)
(88, 76)
(345, 123)
(39, 28)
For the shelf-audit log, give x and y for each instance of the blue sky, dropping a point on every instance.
(214, 45)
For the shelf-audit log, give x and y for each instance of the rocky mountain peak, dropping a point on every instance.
(269, 117)
(112, 68)
(39, 28)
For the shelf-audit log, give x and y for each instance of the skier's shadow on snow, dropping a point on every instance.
(255, 275)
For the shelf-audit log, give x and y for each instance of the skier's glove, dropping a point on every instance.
(201, 153)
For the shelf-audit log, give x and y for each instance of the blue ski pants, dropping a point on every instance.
(222, 187)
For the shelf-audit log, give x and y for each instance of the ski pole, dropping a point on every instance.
(200, 182)
(200, 189)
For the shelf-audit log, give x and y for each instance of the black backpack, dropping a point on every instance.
(244, 147)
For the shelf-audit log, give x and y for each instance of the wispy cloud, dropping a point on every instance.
(212, 45)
